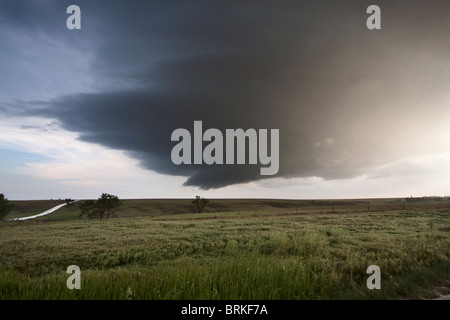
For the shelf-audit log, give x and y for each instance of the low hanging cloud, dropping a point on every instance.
(344, 98)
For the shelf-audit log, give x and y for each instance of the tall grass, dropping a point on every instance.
(322, 256)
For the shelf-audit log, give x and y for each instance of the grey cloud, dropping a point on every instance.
(311, 70)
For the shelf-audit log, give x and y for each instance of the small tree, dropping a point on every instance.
(199, 204)
(88, 208)
(102, 207)
(106, 205)
(5, 206)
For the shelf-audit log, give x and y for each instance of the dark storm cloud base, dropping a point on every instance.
(340, 94)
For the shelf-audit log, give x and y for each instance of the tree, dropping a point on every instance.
(88, 208)
(102, 207)
(5, 206)
(106, 204)
(199, 204)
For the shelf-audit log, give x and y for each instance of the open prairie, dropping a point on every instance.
(236, 249)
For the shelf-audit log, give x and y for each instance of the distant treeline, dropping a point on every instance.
(446, 198)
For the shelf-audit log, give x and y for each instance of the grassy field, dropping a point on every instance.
(238, 249)
(29, 208)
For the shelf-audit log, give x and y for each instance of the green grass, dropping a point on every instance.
(29, 208)
(272, 251)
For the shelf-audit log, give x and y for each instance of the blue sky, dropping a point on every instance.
(11, 158)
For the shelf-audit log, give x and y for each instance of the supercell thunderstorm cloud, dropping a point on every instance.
(345, 99)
